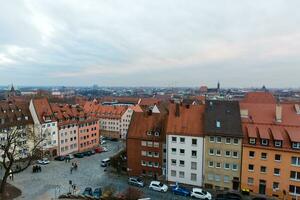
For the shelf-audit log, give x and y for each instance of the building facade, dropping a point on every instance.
(184, 144)
(145, 141)
(45, 125)
(88, 133)
(271, 156)
(223, 145)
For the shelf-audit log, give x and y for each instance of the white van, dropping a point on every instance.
(105, 162)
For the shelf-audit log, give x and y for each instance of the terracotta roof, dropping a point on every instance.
(223, 118)
(276, 133)
(251, 130)
(259, 97)
(142, 123)
(186, 120)
(263, 132)
(43, 110)
(104, 111)
(65, 113)
(293, 133)
(148, 101)
(14, 114)
(132, 100)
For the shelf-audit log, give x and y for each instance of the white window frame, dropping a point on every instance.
(252, 140)
(278, 143)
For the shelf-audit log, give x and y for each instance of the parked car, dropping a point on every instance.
(158, 186)
(103, 142)
(105, 162)
(69, 156)
(93, 152)
(78, 155)
(98, 150)
(228, 196)
(97, 193)
(88, 191)
(59, 158)
(180, 191)
(200, 194)
(136, 181)
(104, 149)
(43, 161)
(87, 153)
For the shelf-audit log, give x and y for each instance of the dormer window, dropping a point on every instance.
(218, 124)
(264, 142)
(252, 141)
(156, 133)
(296, 145)
(26, 117)
(278, 143)
(148, 132)
(19, 118)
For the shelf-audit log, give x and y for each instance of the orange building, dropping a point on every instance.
(88, 133)
(271, 146)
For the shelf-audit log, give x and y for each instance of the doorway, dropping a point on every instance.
(262, 187)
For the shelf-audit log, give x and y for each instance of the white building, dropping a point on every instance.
(45, 125)
(185, 159)
(185, 144)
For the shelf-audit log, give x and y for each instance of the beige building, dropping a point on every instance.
(222, 145)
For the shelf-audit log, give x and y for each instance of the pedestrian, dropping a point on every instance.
(75, 166)
(71, 170)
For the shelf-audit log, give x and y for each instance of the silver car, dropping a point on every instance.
(136, 181)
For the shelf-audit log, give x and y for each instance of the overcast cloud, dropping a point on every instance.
(150, 42)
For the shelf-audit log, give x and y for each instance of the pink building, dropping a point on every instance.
(88, 133)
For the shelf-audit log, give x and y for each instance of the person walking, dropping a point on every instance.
(71, 170)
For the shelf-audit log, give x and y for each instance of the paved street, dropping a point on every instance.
(54, 178)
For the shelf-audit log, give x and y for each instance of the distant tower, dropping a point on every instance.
(218, 86)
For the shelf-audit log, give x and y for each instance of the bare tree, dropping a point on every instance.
(18, 151)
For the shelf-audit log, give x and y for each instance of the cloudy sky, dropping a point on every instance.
(150, 42)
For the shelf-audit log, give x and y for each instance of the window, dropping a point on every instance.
(295, 175)
(182, 140)
(234, 167)
(226, 166)
(173, 162)
(194, 154)
(210, 177)
(193, 177)
(226, 179)
(210, 164)
(250, 181)
(211, 152)
(264, 142)
(278, 143)
(275, 186)
(277, 157)
(219, 139)
(173, 150)
(296, 161)
(156, 144)
(144, 153)
(252, 141)
(181, 151)
(149, 154)
(218, 152)
(263, 156)
(227, 153)
(156, 154)
(217, 178)
(263, 169)
(212, 139)
(181, 174)
(181, 163)
(144, 143)
(173, 173)
(218, 124)
(193, 165)
(251, 154)
(276, 172)
(194, 141)
(143, 163)
(296, 145)
(218, 165)
(174, 139)
(228, 141)
(235, 154)
(235, 141)
(294, 190)
(150, 144)
(250, 167)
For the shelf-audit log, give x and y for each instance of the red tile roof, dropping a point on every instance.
(259, 97)
(104, 111)
(188, 121)
(263, 132)
(43, 110)
(276, 133)
(251, 130)
(293, 133)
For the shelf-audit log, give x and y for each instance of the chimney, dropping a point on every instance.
(244, 113)
(278, 113)
(297, 108)
(177, 110)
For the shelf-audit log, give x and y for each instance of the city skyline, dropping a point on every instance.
(244, 44)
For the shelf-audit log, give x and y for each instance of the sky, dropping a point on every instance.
(246, 43)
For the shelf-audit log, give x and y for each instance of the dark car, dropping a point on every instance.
(87, 153)
(78, 155)
(136, 181)
(229, 196)
(59, 158)
(181, 191)
(88, 191)
(97, 193)
(93, 152)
